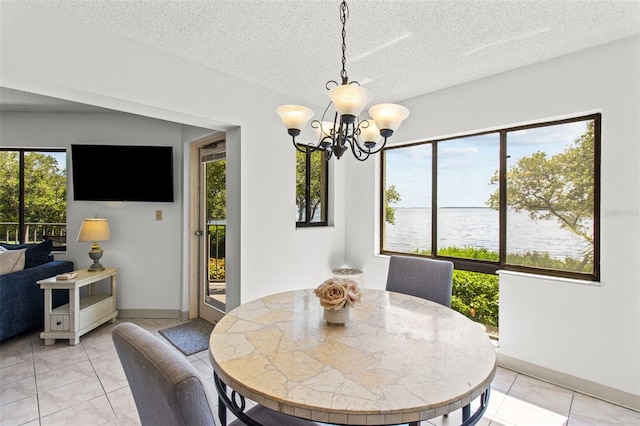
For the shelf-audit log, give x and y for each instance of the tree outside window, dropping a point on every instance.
(311, 188)
(33, 196)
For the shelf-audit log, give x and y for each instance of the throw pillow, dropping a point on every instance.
(36, 254)
(12, 260)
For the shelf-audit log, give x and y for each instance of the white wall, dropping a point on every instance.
(138, 242)
(51, 55)
(592, 333)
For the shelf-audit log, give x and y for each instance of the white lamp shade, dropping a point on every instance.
(349, 99)
(94, 230)
(370, 133)
(388, 116)
(294, 116)
(327, 127)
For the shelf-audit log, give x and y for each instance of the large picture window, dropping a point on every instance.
(33, 196)
(311, 188)
(523, 198)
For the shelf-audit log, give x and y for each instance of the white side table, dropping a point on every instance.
(81, 314)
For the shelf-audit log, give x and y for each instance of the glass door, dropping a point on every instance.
(214, 226)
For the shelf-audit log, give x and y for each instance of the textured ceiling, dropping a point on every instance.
(396, 48)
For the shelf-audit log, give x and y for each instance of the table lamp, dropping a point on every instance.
(94, 230)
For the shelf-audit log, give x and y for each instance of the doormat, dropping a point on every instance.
(191, 337)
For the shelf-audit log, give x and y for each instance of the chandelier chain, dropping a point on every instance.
(344, 12)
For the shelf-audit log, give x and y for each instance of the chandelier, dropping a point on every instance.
(347, 130)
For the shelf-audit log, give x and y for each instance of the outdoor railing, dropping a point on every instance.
(34, 232)
(217, 235)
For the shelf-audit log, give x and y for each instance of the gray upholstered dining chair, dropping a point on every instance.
(429, 279)
(167, 389)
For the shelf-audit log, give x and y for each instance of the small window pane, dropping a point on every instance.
(45, 189)
(318, 195)
(10, 196)
(550, 197)
(311, 188)
(467, 226)
(407, 199)
(301, 182)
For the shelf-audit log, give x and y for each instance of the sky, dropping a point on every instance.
(61, 157)
(467, 164)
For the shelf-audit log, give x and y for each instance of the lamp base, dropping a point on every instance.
(97, 266)
(96, 254)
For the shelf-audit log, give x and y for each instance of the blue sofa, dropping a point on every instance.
(21, 299)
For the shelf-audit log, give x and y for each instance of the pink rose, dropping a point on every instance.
(335, 293)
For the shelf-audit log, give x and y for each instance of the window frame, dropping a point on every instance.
(307, 222)
(491, 267)
(21, 189)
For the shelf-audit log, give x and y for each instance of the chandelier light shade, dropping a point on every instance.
(94, 230)
(294, 117)
(346, 131)
(349, 101)
(388, 116)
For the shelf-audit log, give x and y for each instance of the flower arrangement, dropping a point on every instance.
(336, 293)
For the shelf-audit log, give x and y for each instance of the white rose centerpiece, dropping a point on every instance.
(336, 296)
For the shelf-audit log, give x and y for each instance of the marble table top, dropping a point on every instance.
(399, 359)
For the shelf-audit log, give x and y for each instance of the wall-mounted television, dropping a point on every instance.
(122, 173)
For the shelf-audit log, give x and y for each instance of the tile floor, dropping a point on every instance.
(85, 385)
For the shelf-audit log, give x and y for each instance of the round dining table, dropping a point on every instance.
(399, 359)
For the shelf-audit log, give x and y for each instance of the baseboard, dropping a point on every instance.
(587, 387)
(153, 313)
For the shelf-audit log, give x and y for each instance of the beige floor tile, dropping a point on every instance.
(591, 411)
(93, 412)
(60, 345)
(106, 363)
(514, 411)
(503, 379)
(19, 412)
(15, 354)
(98, 335)
(57, 399)
(122, 402)
(17, 390)
(64, 376)
(205, 371)
(17, 372)
(130, 419)
(168, 322)
(455, 418)
(546, 395)
(98, 348)
(16, 343)
(50, 361)
(112, 380)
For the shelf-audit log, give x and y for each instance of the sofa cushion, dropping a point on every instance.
(36, 254)
(11, 260)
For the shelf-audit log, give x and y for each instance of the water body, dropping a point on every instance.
(478, 227)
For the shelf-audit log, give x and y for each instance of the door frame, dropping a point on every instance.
(197, 250)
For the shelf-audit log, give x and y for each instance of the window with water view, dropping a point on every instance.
(523, 198)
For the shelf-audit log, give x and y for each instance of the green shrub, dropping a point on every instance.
(216, 269)
(475, 295)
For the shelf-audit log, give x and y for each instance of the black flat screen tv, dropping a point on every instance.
(122, 173)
